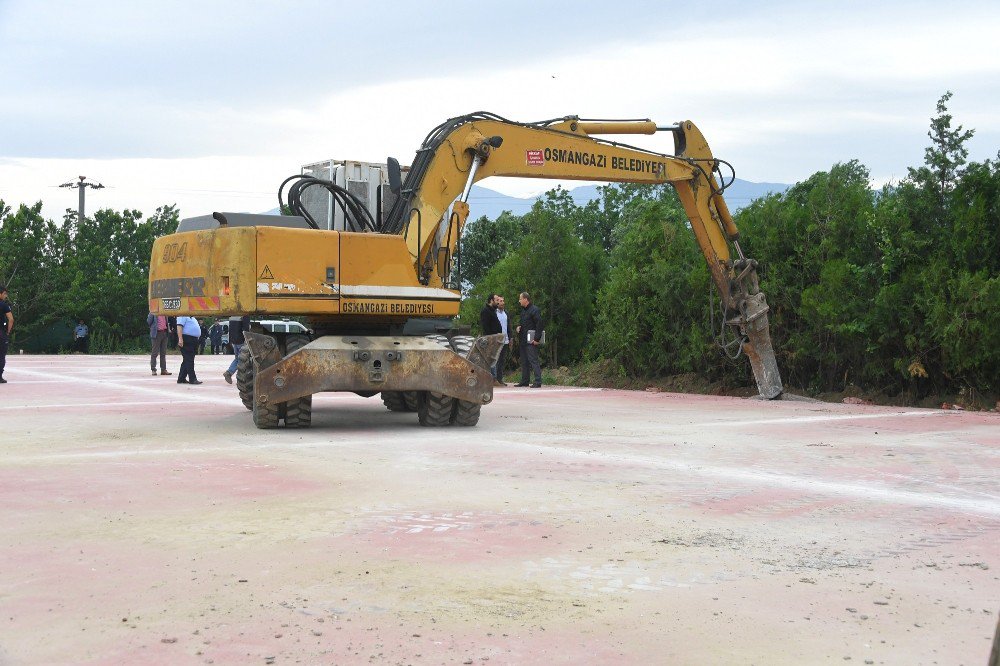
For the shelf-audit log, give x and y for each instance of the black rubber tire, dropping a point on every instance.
(439, 339)
(394, 401)
(412, 399)
(435, 410)
(462, 344)
(298, 411)
(245, 371)
(466, 413)
(266, 416)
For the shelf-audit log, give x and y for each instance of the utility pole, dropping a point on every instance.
(82, 185)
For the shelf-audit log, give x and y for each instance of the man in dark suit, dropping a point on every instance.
(489, 323)
(531, 320)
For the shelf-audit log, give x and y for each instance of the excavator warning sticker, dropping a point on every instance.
(266, 273)
(534, 158)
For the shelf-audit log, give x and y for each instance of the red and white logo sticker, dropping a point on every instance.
(534, 158)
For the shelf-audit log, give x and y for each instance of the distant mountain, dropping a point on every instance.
(484, 201)
(490, 203)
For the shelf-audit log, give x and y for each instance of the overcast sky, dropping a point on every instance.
(209, 105)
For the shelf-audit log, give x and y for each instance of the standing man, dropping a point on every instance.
(531, 320)
(237, 326)
(489, 323)
(6, 327)
(215, 336)
(158, 334)
(505, 329)
(188, 334)
(81, 336)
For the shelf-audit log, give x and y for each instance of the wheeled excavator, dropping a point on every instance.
(380, 289)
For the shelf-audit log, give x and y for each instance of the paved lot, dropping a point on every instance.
(149, 522)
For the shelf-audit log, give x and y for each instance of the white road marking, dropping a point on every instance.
(67, 405)
(105, 383)
(784, 480)
(792, 420)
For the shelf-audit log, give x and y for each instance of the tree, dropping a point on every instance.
(947, 153)
(485, 242)
(95, 268)
(652, 316)
(820, 263)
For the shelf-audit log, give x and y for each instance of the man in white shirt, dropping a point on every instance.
(505, 350)
(188, 334)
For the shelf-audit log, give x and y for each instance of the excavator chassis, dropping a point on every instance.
(372, 364)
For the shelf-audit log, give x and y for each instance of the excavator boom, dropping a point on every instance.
(469, 148)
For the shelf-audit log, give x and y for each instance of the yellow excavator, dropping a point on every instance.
(380, 288)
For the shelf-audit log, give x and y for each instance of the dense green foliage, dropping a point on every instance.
(95, 269)
(892, 289)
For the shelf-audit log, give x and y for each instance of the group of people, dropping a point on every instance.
(494, 319)
(189, 339)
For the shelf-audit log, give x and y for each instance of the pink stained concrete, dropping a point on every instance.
(453, 537)
(571, 526)
(144, 484)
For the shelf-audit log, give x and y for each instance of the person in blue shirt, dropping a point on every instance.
(81, 337)
(188, 334)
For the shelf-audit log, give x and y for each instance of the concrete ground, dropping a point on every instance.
(149, 522)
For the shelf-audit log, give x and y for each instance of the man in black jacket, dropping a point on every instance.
(488, 317)
(237, 327)
(490, 324)
(531, 320)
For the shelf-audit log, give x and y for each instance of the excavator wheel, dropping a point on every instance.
(439, 339)
(466, 413)
(298, 411)
(244, 377)
(435, 409)
(265, 416)
(462, 344)
(394, 401)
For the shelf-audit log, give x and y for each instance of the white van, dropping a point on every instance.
(270, 325)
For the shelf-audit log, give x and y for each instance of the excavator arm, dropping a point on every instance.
(431, 208)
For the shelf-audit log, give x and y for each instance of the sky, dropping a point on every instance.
(210, 105)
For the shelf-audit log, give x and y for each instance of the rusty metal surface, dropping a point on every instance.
(373, 363)
(263, 348)
(486, 350)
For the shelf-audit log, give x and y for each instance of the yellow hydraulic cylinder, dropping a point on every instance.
(637, 127)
